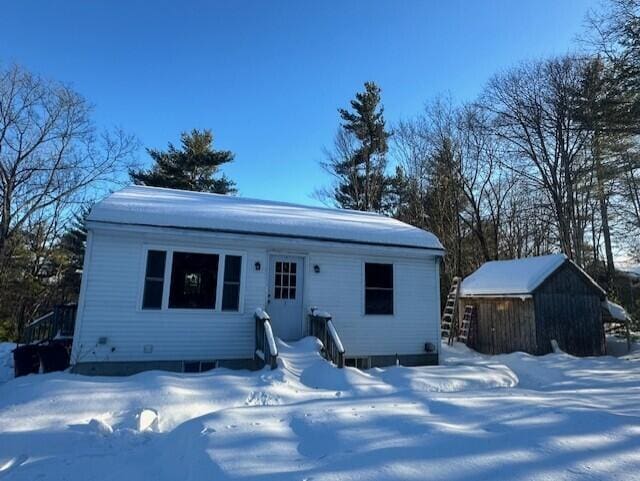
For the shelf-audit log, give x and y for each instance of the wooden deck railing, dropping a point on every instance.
(322, 327)
(266, 348)
(57, 324)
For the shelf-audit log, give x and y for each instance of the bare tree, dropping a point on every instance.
(630, 195)
(52, 160)
(533, 107)
(50, 152)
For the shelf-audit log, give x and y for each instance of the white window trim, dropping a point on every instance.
(166, 285)
(363, 299)
(243, 269)
(143, 276)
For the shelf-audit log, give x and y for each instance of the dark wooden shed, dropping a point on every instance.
(524, 304)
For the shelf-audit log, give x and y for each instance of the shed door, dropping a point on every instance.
(285, 296)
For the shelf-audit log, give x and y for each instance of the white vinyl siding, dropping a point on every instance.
(112, 309)
(339, 289)
(111, 297)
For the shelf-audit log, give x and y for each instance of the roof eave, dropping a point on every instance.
(438, 251)
(526, 295)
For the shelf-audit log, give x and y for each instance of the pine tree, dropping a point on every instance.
(192, 167)
(603, 110)
(69, 254)
(362, 179)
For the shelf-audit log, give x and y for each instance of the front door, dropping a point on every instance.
(285, 296)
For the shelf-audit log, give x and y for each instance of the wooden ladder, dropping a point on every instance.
(449, 322)
(465, 324)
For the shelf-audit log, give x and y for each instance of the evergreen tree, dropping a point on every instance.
(192, 167)
(616, 34)
(69, 254)
(362, 179)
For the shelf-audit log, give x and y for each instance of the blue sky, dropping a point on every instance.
(268, 76)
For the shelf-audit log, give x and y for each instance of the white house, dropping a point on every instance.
(172, 278)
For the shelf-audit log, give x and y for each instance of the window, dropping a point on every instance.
(191, 366)
(194, 281)
(231, 286)
(378, 288)
(285, 282)
(154, 280)
(198, 366)
(358, 362)
(194, 278)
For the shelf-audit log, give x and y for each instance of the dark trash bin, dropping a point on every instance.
(53, 357)
(26, 360)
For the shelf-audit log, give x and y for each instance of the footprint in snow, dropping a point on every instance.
(261, 398)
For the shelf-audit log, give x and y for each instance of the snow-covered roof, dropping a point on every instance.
(513, 277)
(628, 266)
(616, 310)
(632, 271)
(152, 206)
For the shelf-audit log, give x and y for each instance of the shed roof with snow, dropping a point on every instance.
(517, 277)
(153, 206)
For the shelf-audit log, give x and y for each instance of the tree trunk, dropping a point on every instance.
(604, 211)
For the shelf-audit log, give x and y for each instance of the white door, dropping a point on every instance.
(285, 296)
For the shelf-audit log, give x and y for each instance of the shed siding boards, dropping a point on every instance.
(504, 324)
(110, 301)
(569, 309)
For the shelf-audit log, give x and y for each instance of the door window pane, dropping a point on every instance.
(378, 288)
(154, 280)
(194, 278)
(285, 280)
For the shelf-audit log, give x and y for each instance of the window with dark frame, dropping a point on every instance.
(231, 286)
(194, 279)
(378, 288)
(154, 280)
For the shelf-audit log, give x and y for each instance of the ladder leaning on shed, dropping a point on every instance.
(449, 323)
(466, 328)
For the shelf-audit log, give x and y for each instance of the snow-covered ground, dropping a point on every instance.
(6, 361)
(474, 418)
(617, 346)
